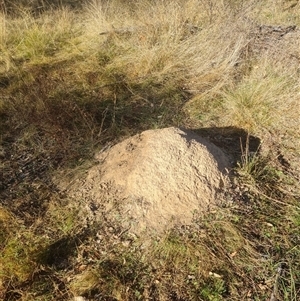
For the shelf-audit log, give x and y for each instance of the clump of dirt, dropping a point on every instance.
(154, 180)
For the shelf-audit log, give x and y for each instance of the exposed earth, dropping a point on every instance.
(155, 179)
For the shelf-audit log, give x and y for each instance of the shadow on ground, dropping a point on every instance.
(235, 142)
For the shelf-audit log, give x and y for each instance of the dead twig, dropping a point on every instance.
(275, 287)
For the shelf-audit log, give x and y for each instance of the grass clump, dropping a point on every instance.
(21, 252)
(262, 100)
(20, 259)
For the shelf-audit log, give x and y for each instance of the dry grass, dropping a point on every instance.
(74, 79)
(266, 100)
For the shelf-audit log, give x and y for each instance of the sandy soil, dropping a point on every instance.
(155, 180)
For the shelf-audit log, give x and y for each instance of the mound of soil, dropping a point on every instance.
(155, 180)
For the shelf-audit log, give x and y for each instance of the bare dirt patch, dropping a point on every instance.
(280, 42)
(155, 180)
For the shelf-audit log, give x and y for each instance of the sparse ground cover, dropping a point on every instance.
(76, 76)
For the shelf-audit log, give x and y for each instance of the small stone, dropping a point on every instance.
(82, 267)
(79, 298)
